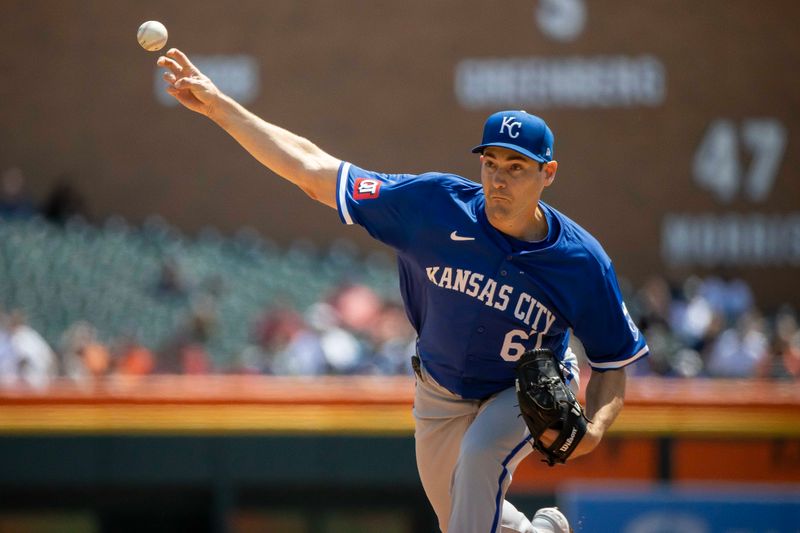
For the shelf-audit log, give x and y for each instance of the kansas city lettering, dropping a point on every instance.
(526, 305)
(527, 309)
(472, 284)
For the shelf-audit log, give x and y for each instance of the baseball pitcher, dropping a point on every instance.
(493, 280)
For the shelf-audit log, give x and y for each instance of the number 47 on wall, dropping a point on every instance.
(717, 162)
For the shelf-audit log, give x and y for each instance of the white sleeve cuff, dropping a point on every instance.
(341, 193)
(612, 365)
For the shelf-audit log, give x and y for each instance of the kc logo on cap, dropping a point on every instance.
(510, 123)
(522, 132)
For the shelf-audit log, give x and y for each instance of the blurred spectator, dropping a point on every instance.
(14, 201)
(132, 358)
(171, 280)
(342, 350)
(357, 307)
(64, 201)
(692, 317)
(183, 355)
(729, 297)
(292, 348)
(394, 342)
(34, 360)
(739, 350)
(195, 359)
(686, 363)
(185, 352)
(655, 303)
(346, 325)
(783, 360)
(711, 336)
(8, 358)
(655, 308)
(85, 357)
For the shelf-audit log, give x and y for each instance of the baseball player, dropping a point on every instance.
(487, 272)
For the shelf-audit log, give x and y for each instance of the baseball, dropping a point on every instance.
(152, 35)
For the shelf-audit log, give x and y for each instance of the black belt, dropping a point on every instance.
(416, 364)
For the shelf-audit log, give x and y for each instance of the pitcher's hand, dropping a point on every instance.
(187, 84)
(588, 443)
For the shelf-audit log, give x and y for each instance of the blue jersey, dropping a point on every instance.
(479, 298)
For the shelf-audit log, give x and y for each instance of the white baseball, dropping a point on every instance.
(152, 35)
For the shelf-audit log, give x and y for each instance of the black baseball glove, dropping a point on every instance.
(547, 402)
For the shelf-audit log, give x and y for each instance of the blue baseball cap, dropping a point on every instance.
(519, 131)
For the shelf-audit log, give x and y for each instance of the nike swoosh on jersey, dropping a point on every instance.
(456, 237)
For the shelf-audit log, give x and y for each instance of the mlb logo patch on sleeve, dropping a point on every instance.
(366, 188)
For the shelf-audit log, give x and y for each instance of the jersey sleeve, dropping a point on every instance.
(386, 205)
(605, 328)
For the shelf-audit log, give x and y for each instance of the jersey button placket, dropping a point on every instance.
(481, 329)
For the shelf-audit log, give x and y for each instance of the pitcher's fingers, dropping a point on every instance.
(181, 58)
(187, 83)
(169, 77)
(170, 64)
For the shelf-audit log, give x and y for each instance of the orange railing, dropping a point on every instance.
(367, 404)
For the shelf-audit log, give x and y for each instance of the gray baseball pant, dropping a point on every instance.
(467, 451)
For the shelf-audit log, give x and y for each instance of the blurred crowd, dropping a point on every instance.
(699, 327)
(351, 331)
(710, 327)
(703, 328)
